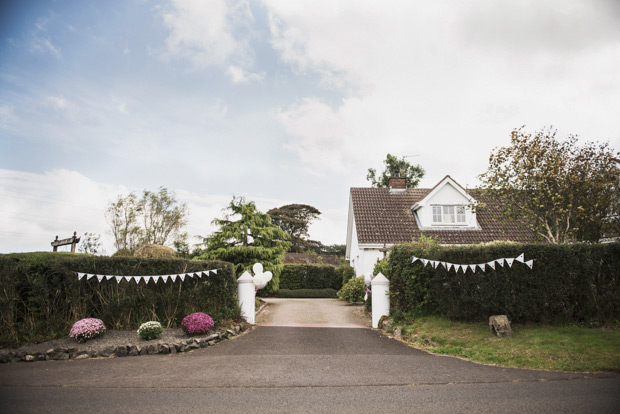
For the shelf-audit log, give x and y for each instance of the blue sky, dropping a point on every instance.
(279, 101)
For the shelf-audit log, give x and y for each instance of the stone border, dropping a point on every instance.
(64, 354)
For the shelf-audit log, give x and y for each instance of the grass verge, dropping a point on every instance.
(560, 348)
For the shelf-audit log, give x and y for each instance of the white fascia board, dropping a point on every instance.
(350, 224)
(375, 245)
(447, 180)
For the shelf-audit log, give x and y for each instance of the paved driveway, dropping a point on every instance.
(300, 369)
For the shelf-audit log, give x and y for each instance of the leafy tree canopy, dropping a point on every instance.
(155, 218)
(563, 191)
(295, 220)
(396, 167)
(247, 236)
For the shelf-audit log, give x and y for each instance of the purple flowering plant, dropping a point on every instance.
(86, 329)
(197, 323)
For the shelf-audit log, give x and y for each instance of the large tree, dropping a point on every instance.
(396, 167)
(564, 191)
(155, 218)
(295, 220)
(247, 236)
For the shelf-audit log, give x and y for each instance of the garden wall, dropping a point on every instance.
(572, 282)
(41, 296)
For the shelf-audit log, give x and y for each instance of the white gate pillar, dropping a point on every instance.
(245, 296)
(380, 298)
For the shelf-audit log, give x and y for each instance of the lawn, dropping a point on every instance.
(562, 348)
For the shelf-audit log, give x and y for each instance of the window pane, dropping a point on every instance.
(448, 214)
(460, 214)
(436, 214)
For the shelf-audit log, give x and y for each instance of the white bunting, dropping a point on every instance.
(481, 266)
(509, 261)
(444, 264)
(156, 279)
(520, 258)
(491, 265)
(137, 279)
(214, 271)
(189, 275)
(118, 279)
(424, 261)
(89, 276)
(435, 264)
(463, 268)
(108, 277)
(128, 278)
(146, 279)
(173, 277)
(500, 261)
(473, 268)
(80, 275)
(530, 263)
(198, 275)
(165, 278)
(414, 259)
(100, 277)
(449, 266)
(182, 278)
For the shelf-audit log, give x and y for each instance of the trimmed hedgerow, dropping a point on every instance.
(571, 282)
(308, 293)
(41, 297)
(294, 277)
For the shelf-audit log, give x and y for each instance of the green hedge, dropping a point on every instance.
(296, 276)
(41, 297)
(308, 293)
(575, 282)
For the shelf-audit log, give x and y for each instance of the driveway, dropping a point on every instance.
(301, 368)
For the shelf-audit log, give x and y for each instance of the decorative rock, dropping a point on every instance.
(80, 355)
(61, 357)
(230, 332)
(500, 326)
(132, 350)
(5, 357)
(202, 343)
(29, 358)
(398, 331)
(385, 323)
(243, 326)
(151, 350)
(121, 351)
(211, 343)
(211, 337)
(93, 353)
(237, 329)
(163, 349)
(173, 349)
(108, 352)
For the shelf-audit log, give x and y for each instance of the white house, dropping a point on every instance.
(379, 218)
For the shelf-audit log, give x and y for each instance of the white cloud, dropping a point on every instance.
(209, 32)
(41, 42)
(7, 113)
(58, 102)
(444, 80)
(238, 75)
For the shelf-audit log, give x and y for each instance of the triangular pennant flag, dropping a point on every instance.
(460, 267)
(509, 261)
(165, 278)
(173, 277)
(80, 275)
(137, 279)
(434, 264)
(198, 275)
(473, 268)
(189, 275)
(156, 279)
(444, 264)
(414, 259)
(182, 278)
(118, 279)
(520, 258)
(530, 263)
(481, 266)
(147, 279)
(128, 278)
(108, 277)
(214, 271)
(424, 261)
(491, 265)
(100, 278)
(450, 266)
(500, 261)
(89, 276)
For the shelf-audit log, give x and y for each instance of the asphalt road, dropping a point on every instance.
(299, 369)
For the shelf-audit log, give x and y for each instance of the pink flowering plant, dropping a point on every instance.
(197, 323)
(86, 329)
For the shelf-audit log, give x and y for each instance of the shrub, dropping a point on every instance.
(346, 271)
(86, 329)
(150, 330)
(197, 323)
(296, 276)
(155, 251)
(353, 291)
(308, 293)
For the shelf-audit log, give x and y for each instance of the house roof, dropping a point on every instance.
(381, 217)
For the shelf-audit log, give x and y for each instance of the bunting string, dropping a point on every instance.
(146, 279)
(493, 264)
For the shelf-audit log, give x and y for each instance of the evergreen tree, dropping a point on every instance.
(396, 167)
(247, 236)
(295, 220)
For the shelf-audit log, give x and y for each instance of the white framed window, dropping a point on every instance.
(449, 214)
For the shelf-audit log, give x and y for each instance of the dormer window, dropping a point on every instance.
(449, 214)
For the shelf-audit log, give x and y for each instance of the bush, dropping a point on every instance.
(308, 293)
(296, 277)
(150, 330)
(197, 323)
(86, 329)
(155, 251)
(569, 283)
(41, 296)
(346, 271)
(353, 291)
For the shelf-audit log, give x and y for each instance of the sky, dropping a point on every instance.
(279, 101)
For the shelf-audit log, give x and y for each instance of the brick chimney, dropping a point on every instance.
(397, 184)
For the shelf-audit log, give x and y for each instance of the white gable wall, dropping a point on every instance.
(449, 196)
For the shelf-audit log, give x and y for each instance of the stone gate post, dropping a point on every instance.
(380, 298)
(245, 296)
